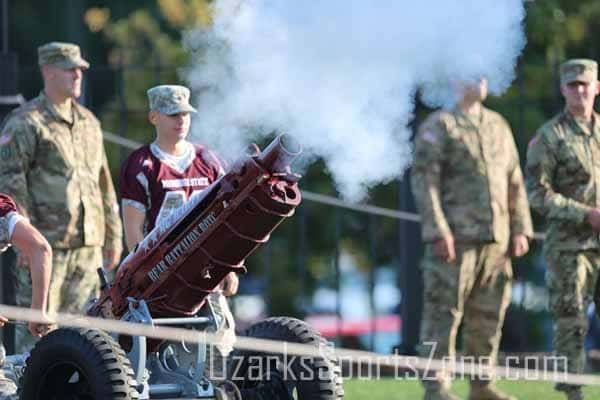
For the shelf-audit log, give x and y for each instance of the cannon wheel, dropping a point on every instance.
(303, 378)
(77, 364)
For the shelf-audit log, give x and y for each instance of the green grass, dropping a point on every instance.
(385, 389)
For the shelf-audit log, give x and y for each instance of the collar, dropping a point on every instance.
(470, 121)
(58, 113)
(581, 128)
(179, 163)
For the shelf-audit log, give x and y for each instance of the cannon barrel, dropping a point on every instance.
(185, 257)
(278, 156)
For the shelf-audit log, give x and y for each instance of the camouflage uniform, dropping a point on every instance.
(467, 184)
(563, 178)
(8, 387)
(54, 165)
(8, 376)
(11, 371)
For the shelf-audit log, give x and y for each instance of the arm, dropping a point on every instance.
(217, 165)
(426, 185)
(133, 185)
(426, 182)
(113, 242)
(518, 205)
(521, 227)
(541, 165)
(17, 152)
(133, 221)
(38, 253)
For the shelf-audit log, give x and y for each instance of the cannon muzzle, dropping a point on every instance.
(278, 156)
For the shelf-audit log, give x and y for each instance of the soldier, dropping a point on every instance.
(469, 190)
(563, 175)
(157, 179)
(53, 163)
(16, 230)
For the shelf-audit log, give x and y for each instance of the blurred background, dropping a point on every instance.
(351, 270)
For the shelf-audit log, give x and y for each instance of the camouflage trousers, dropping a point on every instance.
(8, 379)
(473, 290)
(570, 279)
(74, 282)
(8, 386)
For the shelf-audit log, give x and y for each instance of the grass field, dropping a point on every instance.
(386, 389)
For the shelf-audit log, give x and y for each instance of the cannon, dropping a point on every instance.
(170, 279)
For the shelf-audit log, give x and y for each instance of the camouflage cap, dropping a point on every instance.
(61, 54)
(578, 69)
(170, 99)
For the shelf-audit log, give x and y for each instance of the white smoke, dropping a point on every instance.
(341, 75)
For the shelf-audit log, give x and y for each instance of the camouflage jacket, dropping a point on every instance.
(563, 180)
(55, 168)
(467, 180)
(8, 382)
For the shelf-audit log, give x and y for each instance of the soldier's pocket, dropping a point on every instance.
(93, 160)
(574, 157)
(94, 154)
(51, 159)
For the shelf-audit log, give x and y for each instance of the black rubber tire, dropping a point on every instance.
(327, 382)
(103, 370)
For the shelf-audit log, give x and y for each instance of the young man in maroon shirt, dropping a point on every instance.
(157, 179)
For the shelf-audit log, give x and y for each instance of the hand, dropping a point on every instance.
(593, 218)
(444, 248)
(39, 329)
(3, 320)
(231, 284)
(520, 245)
(111, 258)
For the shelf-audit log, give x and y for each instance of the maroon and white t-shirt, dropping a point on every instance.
(8, 219)
(158, 183)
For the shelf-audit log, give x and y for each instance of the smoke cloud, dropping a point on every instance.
(341, 75)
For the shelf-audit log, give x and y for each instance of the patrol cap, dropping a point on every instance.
(61, 54)
(170, 99)
(578, 70)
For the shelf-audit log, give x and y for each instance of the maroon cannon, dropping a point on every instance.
(167, 280)
(184, 259)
